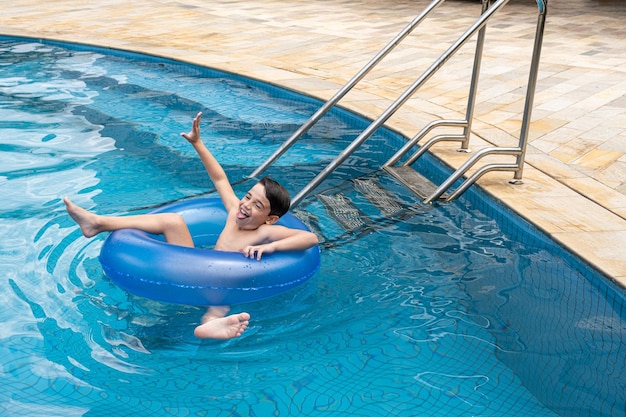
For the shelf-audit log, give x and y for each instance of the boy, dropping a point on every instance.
(249, 229)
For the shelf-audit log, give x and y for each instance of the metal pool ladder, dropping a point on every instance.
(404, 173)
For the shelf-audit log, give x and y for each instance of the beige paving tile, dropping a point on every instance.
(605, 196)
(607, 257)
(571, 214)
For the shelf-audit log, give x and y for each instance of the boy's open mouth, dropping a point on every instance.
(241, 214)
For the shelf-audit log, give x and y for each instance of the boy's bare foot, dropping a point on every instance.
(222, 327)
(87, 221)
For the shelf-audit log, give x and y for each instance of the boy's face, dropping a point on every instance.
(254, 209)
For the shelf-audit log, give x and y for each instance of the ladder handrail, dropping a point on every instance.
(346, 88)
(425, 130)
(352, 147)
(466, 124)
(456, 175)
(532, 85)
(520, 151)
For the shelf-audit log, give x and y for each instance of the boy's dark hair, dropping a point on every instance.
(277, 195)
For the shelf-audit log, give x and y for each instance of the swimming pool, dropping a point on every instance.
(459, 309)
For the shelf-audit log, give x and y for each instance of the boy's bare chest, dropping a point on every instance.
(234, 239)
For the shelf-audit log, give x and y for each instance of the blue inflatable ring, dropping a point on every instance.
(145, 265)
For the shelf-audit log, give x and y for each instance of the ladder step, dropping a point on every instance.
(386, 202)
(343, 211)
(413, 180)
(311, 221)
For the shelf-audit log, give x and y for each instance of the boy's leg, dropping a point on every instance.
(171, 225)
(216, 325)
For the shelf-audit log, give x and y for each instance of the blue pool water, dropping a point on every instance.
(458, 310)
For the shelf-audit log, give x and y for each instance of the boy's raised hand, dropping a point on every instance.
(194, 135)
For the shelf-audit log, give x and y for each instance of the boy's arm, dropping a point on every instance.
(212, 166)
(281, 239)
